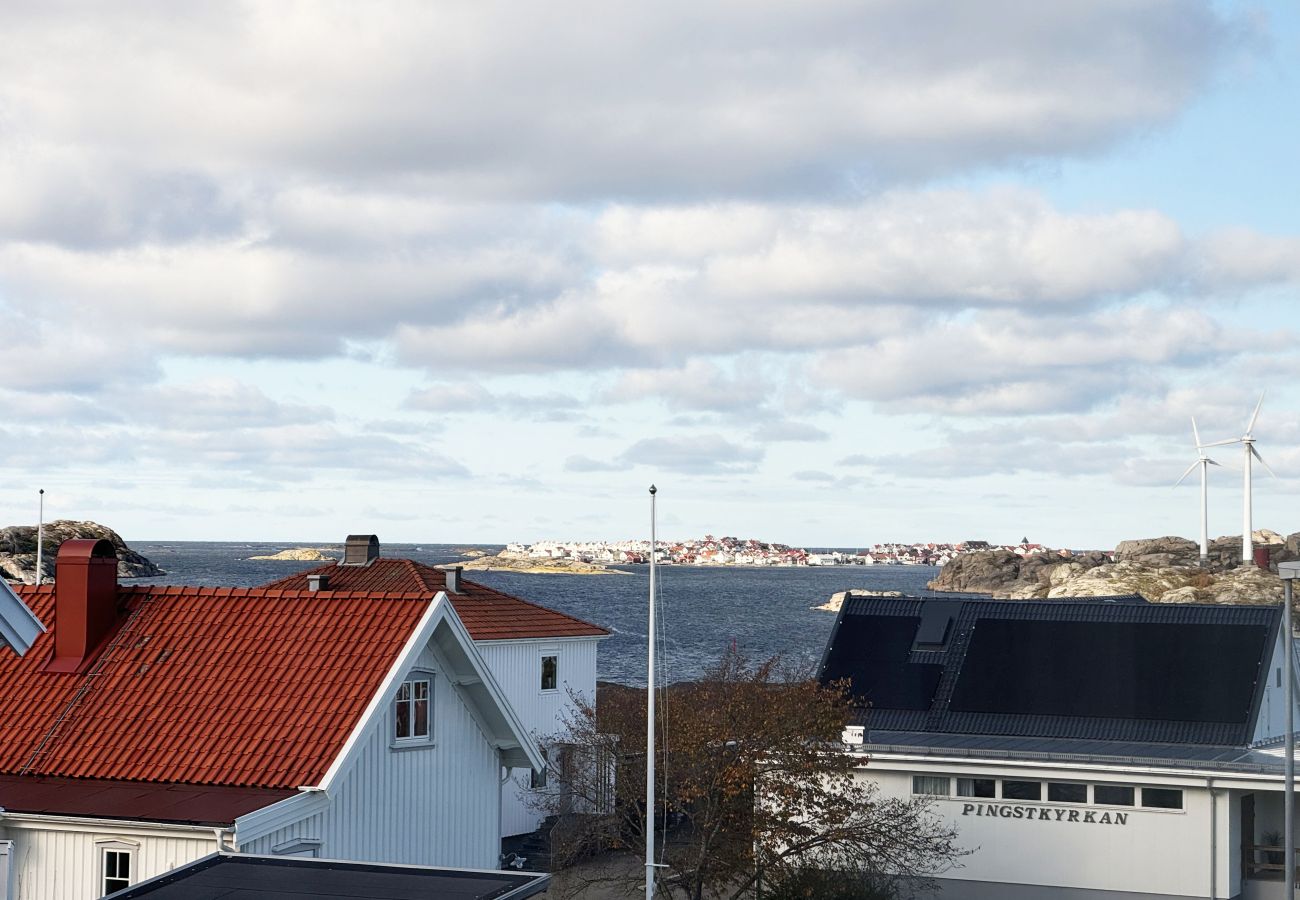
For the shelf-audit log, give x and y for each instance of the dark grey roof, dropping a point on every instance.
(996, 748)
(221, 876)
(1109, 669)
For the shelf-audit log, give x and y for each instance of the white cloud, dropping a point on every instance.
(693, 454)
(670, 98)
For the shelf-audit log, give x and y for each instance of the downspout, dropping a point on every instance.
(220, 834)
(1214, 838)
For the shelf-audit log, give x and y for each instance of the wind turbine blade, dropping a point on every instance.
(1196, 435)
(1213, 463)
(1266, 466)
(1255, 414)
(1223, 443)
(1190, 470)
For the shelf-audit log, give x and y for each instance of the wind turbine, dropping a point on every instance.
(1204, 462)
(1247, 441)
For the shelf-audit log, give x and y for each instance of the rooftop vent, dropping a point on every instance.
(360, 550)
(318, 582)
(451, 575)
(853, 734)
(85, 603)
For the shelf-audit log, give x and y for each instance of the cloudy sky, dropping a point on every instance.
(829, 273)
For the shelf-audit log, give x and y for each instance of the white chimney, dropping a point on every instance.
(853, 734)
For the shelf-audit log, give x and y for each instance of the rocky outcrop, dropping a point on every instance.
(18, 550)
(1164, 569)
(299, 554)
(505, 562)
(838, 598)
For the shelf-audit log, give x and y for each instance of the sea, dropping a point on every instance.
(702, 611)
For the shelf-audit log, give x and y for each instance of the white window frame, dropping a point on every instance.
(129, 850)
(548, 653)
(303, 847)
(414, 741)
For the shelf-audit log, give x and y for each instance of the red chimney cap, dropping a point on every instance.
(86, 548)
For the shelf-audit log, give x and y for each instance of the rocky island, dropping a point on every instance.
(505, 561)
(18, 550)
(299, 554)
(1163, 569)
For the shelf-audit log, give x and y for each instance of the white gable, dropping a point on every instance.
(19, 626)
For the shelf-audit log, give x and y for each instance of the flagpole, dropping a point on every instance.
(650, 719)
(40, 536)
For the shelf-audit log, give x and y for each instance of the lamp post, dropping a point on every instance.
(1289, 572)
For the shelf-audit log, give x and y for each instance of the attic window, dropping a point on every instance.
(550, 671)
(411, 711)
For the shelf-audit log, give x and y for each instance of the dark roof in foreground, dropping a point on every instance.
(1085, 669)
(222, 876)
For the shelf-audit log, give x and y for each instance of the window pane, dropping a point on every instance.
(403, 717)
(404, 692)
(976, 787)
(549, 666)
(1058, 792)
(1112, 795)
(1022, 790)
(421, 690)
(421, 718)
(934, 785)
(1162, 798)
(110, 864)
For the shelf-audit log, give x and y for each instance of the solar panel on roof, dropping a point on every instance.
(873, 656)
(1125, 670)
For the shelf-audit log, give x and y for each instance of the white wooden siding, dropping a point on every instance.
(424, 806)
(61, 860)
(517, 667)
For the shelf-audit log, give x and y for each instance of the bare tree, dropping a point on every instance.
(752, 784)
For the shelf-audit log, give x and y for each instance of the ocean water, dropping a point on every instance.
(762, 611)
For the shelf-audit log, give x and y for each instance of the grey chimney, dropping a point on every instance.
(318, 582)
(452, 579)
(360, 550)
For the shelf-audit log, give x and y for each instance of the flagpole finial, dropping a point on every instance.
(653, 490)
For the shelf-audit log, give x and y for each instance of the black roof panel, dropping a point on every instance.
(1110, 669)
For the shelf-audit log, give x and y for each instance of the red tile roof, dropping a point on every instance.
(489, 615)
(204, 686)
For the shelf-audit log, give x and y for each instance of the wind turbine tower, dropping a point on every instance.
(1204, 462)
(1247, 442)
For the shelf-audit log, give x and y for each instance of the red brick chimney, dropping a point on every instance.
(85, 603)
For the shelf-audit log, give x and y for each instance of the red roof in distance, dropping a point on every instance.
(489, 615)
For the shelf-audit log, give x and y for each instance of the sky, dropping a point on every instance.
(828, 274)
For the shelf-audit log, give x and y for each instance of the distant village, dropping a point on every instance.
(732, 551)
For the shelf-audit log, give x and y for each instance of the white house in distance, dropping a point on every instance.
(153, 725)
(540, 657)
(1099, 747)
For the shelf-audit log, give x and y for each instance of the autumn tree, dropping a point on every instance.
(751, 783)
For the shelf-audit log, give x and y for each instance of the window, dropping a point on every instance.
(411, 711)
(1162, 798)
(976, 787)
(1022, 790)
(1112, 795)
(117, 870)
(1065, 792)
(931, 785)
(537, 780)
(550, 672)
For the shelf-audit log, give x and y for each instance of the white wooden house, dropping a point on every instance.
(542, 658)
(1091, 747)
(154, 725)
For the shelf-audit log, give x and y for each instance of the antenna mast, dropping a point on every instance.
(650, 719)
(40, 536)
